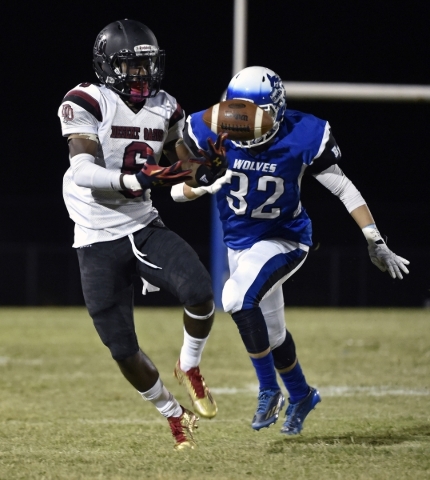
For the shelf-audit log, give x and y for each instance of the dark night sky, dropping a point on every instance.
(47, 50)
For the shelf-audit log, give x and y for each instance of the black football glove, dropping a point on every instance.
(152, 175)
(214, 163)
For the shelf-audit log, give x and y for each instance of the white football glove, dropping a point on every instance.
(382, 256)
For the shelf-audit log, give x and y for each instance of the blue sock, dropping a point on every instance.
(295, 383)
(265, 370)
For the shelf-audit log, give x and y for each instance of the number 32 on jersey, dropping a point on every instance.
(266, 183)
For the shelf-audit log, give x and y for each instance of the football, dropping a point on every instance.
(242, 120)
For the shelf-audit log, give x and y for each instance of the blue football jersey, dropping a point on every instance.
(262, 198)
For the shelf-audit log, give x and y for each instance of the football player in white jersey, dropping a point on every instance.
(268, 232)
(117, 132)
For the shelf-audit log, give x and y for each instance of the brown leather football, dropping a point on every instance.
(242, 120)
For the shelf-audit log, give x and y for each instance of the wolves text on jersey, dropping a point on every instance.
(249, 165)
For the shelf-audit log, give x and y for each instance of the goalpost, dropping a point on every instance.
(302, 91)
(323, 91)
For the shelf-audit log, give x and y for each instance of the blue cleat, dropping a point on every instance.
(297, 412)
(270, 403)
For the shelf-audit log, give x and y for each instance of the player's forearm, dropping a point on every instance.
(178, 150)
(83, 149)
(183, 193)
(87, 174)
(362, 216)
(190, 192)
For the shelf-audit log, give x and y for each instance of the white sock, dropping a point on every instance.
(163, 400)
(191, 351)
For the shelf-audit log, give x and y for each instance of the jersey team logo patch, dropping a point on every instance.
(67, 113)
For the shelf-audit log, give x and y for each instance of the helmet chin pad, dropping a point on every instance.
(138, 94)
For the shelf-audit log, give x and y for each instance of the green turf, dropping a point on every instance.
(66, 412)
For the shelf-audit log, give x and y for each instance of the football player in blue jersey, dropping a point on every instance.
(268, 232)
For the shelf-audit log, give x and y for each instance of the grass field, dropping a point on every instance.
(67, 413)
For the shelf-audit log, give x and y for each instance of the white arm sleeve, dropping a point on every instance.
(335, 180)
(177, 193)
(87, 174)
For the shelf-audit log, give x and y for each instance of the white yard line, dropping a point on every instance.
(20, 361)
(251, 389)
(335, 391)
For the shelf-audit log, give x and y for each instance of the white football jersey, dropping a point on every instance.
(103, 215)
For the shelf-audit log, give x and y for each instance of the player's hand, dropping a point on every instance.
(386, 260)
(214, 162)
(153, 175)
(215, 155)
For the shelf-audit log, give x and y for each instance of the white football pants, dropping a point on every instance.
(256, 278)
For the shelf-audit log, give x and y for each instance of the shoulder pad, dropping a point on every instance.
(87, 96)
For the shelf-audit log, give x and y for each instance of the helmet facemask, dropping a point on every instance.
(274, 113)
(138, 74)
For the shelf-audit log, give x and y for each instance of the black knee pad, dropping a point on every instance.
(119, 338)
(198, 291)
(121, 347)
(122, 350)
(253, 329)
(285, 355)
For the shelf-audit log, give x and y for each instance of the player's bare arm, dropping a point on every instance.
(82, 143)
(362, 216)
(176, 150)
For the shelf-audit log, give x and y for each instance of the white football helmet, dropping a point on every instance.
(263, 87)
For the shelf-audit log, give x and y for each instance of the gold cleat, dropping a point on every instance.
(182, 429)
(201, 398)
